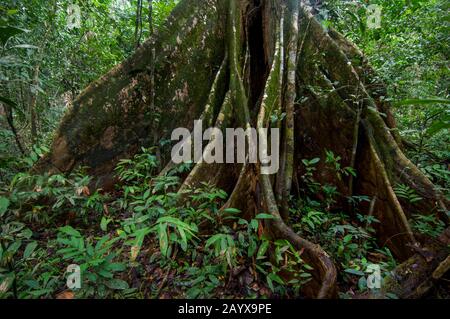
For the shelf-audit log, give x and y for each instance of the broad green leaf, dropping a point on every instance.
(11, 12)
(117, 267)
(251, 248)
(8, 102)
(254, 224)
(29, 249)
(14, 247)
(262, 250)
(270, 283)
(106, 274)
(232, 210)
(184, 242)
(68, 230)
(213, 239)
(438, 126)
(4, 204)
(6, 283)
(7, 32)
(163, 239)
(101, 242)
(276, 278)
(117, 284)
(104, 223)
(264, 216)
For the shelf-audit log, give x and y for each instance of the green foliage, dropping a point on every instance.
(308, 176)
(287, 260)
(144, 228)
(40, 55)
(335, 162)
(12, 237)
(172, 231)
(97, 261)
(428, 225)
(203, 281)
(142, 167)
(409, 53)
(350, 241)
(406, 193)
(57, 196)
(223, 245)
(26, 269)
(313, 219)
(4, 204)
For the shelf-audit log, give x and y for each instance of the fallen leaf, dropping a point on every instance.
(66, 295)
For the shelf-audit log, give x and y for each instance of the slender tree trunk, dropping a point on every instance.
(10, 119)
(33, 101)
(138, 27)
(34, 88)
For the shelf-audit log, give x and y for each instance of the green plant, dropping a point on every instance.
(428, 225)
(203, 281)
(308, 176)
(98, 262)
(12, 237)
(172, 231)
(139, 169)
(26, 268)
(34, 155)
(364, 267)
(44, 198)
(286, 271)
(351, 244)
(314, 220)
(224, 246)
(335, 162)
(406, 193)
(209, 199)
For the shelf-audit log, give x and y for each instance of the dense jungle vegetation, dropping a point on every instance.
(135, 238)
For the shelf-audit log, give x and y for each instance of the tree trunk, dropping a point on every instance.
(34, 87)
(236, 63)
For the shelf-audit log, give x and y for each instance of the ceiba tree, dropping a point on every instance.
(243, 63)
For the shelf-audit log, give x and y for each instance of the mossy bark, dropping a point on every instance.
(236, 63)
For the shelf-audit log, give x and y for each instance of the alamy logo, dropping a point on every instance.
(374, 280)
(241, 146)
(74, 278)
(374, 16)
(73, 16)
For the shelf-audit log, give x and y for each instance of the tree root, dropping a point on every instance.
(291, 94)
(325, 275)
(202, 171)
(334, 62)
(417, 276)
(400, 214)
(443, 268)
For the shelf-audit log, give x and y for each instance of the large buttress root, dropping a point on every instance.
(380, 163)
(416, 277)
(242, 63)
(111, 119)
(325, 272)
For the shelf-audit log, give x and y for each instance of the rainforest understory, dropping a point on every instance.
(345, 197)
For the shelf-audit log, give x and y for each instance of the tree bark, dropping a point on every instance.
(235, 63)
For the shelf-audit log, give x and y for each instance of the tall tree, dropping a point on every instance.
(138, 27)
(240, 63)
